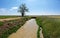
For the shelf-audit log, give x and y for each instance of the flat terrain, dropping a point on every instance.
(10, 26)
(50, 26)
(3, 17)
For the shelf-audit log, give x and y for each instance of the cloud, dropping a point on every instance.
(14, 8)
(13, 11)
(3, 10)
(42, 13)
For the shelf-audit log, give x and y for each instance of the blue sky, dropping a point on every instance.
(36, 7)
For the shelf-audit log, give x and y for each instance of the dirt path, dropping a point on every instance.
(9, 19)
(28, 30)
(41, 34)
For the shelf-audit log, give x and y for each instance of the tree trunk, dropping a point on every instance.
(22, 14)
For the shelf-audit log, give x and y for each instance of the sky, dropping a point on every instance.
(36, 7)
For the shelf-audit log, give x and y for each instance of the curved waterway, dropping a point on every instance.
(28, 30)
(41, 34)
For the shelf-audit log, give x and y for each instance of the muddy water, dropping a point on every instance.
(41, 34)
(28, 30)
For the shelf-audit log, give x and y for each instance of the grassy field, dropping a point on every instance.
(1, 23)
(2, 17)
(11, 26)
(50, 26)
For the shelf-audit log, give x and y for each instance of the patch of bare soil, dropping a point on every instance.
(7, 19)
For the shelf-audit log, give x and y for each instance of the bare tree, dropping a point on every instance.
(23, 9)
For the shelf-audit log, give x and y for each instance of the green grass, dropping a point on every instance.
(13, 29)
(50, 26)
(1, 23)
(38, 32)
(38, 20)
(2, 17)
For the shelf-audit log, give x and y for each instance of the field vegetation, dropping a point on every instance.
(11, 26)
(50, 26)
(2, 17)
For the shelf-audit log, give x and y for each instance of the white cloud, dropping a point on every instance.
(14, 8)
(41, 13)
(4, 11)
